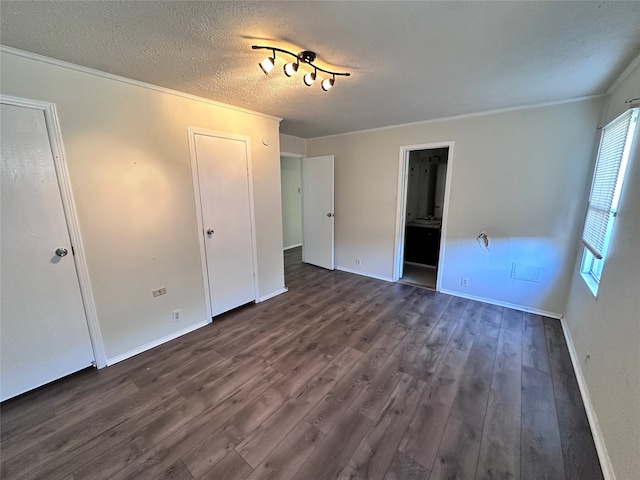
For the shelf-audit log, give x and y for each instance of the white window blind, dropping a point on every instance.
(605, 190)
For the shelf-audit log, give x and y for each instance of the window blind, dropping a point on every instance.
(614, 148)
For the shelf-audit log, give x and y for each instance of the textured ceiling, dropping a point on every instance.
(410, 61)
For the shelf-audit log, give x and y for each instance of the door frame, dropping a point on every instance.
(71, 216)
(192, 132)
(401, 206)
(300, 157)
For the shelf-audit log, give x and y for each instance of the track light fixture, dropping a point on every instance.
(290, 69)
(306, 56)
(327, 83)
(268, 63)
(309, 78)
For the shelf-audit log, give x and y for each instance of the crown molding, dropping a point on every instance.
(623, 76)
(467, 115)
(129, 81)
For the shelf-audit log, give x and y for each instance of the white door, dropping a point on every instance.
(43, 328)
(227, 224)
(317, 211)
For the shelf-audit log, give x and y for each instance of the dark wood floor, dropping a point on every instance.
(344, 376)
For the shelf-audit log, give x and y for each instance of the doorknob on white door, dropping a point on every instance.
(210, 232)
(330, 215)
(61, 252)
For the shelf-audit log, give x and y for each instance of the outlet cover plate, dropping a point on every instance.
(159, 291)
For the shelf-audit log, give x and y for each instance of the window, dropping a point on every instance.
(613, 156)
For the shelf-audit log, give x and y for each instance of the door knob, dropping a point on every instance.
(61, 252)
(329, 214)
(210, 232)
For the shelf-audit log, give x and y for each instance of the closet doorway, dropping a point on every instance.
(424, 181)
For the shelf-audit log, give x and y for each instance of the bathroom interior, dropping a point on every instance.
(427, 173)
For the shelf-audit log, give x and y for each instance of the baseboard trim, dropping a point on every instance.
(499, 303)
(155, 343)
(292, 246)
(601, 448)
(371, 275)
(273, 294)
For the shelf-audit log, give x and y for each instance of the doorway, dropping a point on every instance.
(308, 209)
(291, 190)
(423, 200)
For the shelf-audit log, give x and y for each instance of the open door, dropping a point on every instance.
(317, 211)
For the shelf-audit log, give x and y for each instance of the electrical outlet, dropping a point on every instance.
(176, 315)
(464, 281)
(159, 291)
(358, 261)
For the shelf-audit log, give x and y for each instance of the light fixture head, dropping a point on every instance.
(327, 83)
(309, 78)
(290, 69)
(268, 63)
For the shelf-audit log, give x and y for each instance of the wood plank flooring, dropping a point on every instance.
(343, 377)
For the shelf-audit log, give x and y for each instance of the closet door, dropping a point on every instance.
(226, 211)
(42, 319)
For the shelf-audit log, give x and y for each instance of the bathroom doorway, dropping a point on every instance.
(425, 173)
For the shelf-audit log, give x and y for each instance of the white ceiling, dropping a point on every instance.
(410, 61)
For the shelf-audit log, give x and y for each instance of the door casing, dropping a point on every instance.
(401, 208)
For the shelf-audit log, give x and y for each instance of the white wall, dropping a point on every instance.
(293, 145)
(608, 328)
(128, 158)
(291, 202)
(520, 175)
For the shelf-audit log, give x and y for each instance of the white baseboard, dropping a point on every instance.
(273, 294)
(292, 246)
(155, 343)
(364, 274)
(601, 448)
(500, 303)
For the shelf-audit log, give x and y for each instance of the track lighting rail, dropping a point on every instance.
(306, 56)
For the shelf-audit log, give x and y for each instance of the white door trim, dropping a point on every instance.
(401, 206)
(71, 217)
(193, 131)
